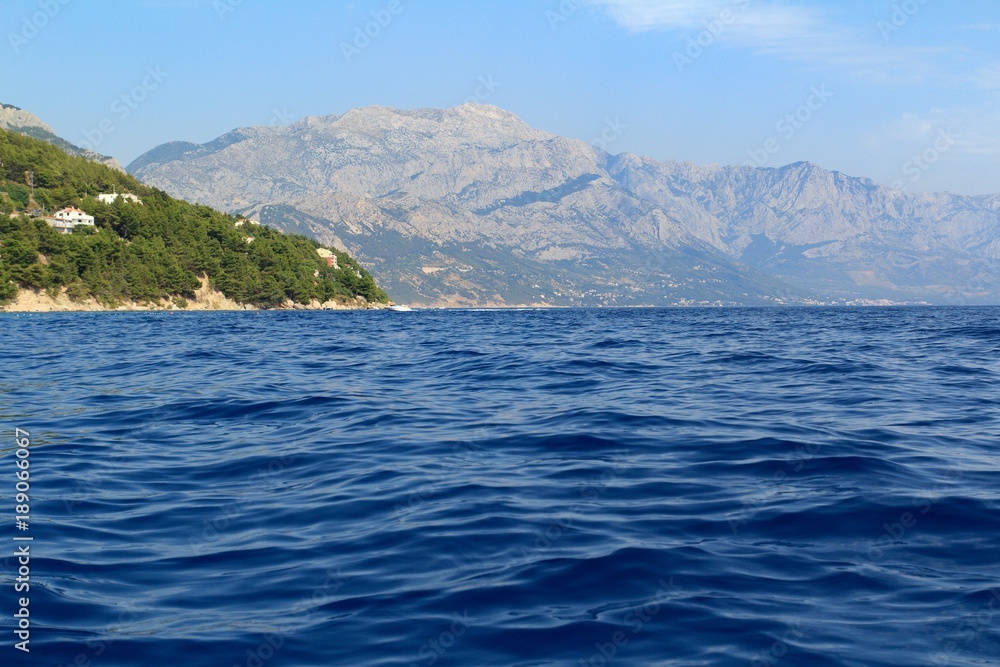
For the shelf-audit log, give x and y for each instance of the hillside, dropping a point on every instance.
(159, 252)
(20, 121)
(473, 206)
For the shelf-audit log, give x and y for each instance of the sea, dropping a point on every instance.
(578, 488)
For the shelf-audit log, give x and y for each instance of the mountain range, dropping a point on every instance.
(472, 206)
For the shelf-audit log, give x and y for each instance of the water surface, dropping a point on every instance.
(655, 487)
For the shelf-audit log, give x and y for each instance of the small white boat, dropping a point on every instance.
(401, 309)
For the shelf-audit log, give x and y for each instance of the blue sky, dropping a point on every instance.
(903, 91)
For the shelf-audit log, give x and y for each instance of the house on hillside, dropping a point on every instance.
(68, 219)
(331, 259)
(111, 198)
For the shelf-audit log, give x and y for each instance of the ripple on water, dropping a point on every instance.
(664, 487)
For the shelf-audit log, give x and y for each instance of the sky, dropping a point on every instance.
(906, 92)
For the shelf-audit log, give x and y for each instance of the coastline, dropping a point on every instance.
(206, 299)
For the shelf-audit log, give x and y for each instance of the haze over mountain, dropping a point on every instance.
(22, 122)
(471, 205)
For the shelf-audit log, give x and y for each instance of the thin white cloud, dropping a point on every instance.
(986, 77)
(955, 149)
(172, 4)
(791, 31)
(983, 27)
(964, 142)
(654, 14)
(975, 131)
(641, 15)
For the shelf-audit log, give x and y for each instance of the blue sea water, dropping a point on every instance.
(585, 487)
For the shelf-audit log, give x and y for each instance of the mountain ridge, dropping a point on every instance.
(18, 120)
(479, 175)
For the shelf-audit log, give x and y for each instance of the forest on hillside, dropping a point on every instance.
(150, 251)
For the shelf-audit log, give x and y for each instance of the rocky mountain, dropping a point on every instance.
(471, 206)
(19, 121)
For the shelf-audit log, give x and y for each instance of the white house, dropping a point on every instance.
(68, 219)
(114, 196)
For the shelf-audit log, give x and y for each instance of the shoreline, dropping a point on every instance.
(207, 299)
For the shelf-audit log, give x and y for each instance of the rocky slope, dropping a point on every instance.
(472, 206)
(830, 231)
(22, 122)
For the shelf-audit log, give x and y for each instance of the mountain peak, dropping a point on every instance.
(471, 122)
(13, 118)
(486, 110)
(429, 195)
(469, 113)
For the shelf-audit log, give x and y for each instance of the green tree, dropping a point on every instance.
(19, 195)
(155, 250)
